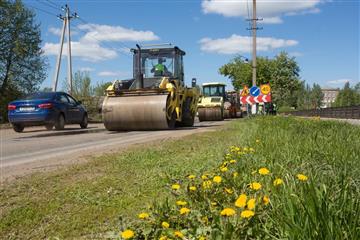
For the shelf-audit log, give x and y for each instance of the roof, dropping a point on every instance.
(160, 49)
(213, 83)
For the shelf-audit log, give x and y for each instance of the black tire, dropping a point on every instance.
(187, 117)
(49, 126)
(172, 121)
(84, 122)
(18, 128)
(60, 122)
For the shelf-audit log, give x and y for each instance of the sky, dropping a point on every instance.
(322, 35)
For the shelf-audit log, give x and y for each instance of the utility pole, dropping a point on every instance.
(66, 25)
(254, 19)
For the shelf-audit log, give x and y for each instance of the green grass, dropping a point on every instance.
(87, 200)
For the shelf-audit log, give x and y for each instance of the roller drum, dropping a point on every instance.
(210, 114)
(135, 112)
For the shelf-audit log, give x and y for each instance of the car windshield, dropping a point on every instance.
(40, 95)
(213, 90)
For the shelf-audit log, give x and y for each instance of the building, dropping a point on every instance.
(330, 95)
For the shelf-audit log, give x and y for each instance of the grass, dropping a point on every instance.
(87, 200)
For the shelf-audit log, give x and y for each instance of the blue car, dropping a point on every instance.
(47, 108)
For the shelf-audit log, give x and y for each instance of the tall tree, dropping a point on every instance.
(22, 65)
(282, 73)
(99, 89)
(347, 97)
(316, 96)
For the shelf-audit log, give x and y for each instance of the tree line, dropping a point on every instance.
(289, 91)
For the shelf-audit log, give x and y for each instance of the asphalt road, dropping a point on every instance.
(37, 149)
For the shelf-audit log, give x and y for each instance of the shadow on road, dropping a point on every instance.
(66, 131)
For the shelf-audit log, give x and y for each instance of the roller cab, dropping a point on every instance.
(156, 97)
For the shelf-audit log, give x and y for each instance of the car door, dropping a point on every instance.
(64, 106)
(75, 109)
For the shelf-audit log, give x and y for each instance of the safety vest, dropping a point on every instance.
(159, 67)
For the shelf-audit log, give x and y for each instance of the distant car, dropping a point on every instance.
(47, 108)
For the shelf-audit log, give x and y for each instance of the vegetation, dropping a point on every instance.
(87, 200)
(282, 73)
(309, 98)
(22, 65)
(348, 96)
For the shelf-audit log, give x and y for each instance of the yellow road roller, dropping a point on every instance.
(156, 97)
(215, 104)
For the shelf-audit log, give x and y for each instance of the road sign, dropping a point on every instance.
(254, 91)
(258, 99)
(245, 91)
(265, 89)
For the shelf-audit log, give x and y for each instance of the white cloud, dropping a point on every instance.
(86, 69)
(341, 81)
(57, 31)
(242, 44)
(96, 32)
(271, 11)
(92, 52)
(112, 74)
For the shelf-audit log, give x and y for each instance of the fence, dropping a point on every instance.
(352, 112)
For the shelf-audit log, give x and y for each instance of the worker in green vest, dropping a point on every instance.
(159, 69)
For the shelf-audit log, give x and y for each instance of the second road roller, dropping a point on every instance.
(215, 104)
(156, 97)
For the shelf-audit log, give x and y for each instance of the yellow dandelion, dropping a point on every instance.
(246, 149)
(163, 238)
(217, 179)
(127, 234)
(202, 238)
(278, 181)
(224, 164)
(181, 203)
(175, 186)
(255, 186)
(227, 212)
(233, 161)
(178, 234)
(266, 200)
(302, 177)
(204, 177)
(184, 211)
(192, 188)
(213, 203)
(207, 184)
(247, 214)
(205, 219)
(241, 201)
(224, 169)
(235, 174)
(257, 141)
(251, 150)
(143, 215)
(228, 190)
(251, 203)
(264, 171)
(191, 176)
(165, 224)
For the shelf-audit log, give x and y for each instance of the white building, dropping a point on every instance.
(330, 95)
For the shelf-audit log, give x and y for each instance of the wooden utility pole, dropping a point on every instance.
(254, 19)
(66, 25)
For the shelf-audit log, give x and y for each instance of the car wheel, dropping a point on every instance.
(49, 126)
(18, 128)
(84, 122)
(60, 123)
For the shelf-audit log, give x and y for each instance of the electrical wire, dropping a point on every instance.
(49, 5)
(41, 10)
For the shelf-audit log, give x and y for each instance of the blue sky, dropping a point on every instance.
(323, 35)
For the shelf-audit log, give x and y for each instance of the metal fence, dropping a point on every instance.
(352, 112)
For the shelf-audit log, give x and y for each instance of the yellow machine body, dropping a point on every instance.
(161, 103)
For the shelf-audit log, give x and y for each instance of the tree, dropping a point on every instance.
(282, 73)
(100, 88)
(22, 65)
(316, 96)
(82, 88)
(347, 97)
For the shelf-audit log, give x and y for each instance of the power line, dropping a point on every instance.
(49, 5)
(54, 4)
(42, 10)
